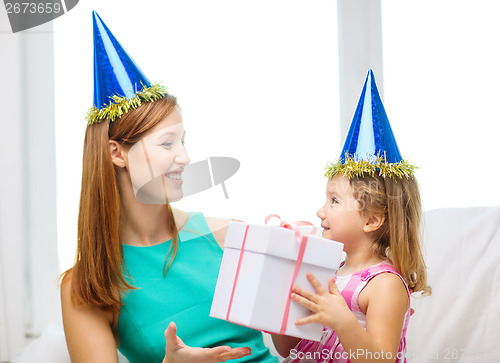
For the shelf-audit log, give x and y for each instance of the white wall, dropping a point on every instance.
(256, 80)
(28, 247)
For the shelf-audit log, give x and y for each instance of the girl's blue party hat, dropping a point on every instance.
(119, 84)
(370, 146)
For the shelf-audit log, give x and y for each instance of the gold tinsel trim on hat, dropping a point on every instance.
(350, 167)
(123, 104)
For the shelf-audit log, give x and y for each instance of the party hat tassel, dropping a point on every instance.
(122, 104)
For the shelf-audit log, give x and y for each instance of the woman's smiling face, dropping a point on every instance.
(157, 161)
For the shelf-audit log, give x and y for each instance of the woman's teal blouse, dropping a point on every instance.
(184, 296)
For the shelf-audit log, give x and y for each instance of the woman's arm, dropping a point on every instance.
(284, 344)
(386, 302)
(88, 330)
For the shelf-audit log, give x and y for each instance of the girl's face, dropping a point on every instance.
(157, 161)
(341, 216)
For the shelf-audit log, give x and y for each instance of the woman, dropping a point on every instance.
(140, 264)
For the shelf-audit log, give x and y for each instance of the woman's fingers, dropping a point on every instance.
(217, 351)
(176, 351)
(171, 338)
(171, 331)
(234, 353)
(173, 342)
(212, 355)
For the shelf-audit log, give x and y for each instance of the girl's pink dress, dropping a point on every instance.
(329, 349)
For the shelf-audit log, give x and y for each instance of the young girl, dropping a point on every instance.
(373, 207)
(141, 266)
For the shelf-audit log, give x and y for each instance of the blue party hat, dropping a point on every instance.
(119, 84)
(370, 146)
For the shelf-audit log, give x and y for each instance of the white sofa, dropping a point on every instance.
(459, 322)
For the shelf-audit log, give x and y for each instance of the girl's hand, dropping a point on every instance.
(328, 308)
(176, 351)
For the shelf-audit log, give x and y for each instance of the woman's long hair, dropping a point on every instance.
(399, 238)
(97, 277)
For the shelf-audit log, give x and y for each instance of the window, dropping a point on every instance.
(441, 93)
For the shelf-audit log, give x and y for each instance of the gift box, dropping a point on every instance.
(259, 266)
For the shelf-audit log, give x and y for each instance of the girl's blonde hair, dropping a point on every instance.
(399, 238)
(97, 277)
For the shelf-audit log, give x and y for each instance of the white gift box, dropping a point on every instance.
(253, 287)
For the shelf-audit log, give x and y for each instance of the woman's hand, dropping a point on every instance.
(176, 351)
(328, 307)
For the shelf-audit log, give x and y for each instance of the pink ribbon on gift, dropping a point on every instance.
(237, 273)
(302, 240)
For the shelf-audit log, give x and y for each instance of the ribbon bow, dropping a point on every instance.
(295, 226)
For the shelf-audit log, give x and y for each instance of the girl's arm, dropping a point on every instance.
(284, 344)
(386, 302)
(88, 331)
